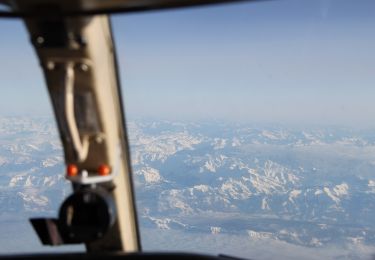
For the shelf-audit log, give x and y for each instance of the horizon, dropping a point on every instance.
(219, 122)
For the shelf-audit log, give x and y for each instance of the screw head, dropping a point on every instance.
(39, 40)
(84, 67)
(51, 65)
(99, 139)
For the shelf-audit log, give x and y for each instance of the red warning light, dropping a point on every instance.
(104, 170)
(71, 170)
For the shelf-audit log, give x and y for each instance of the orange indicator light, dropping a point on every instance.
(72, 170)
(104, 170)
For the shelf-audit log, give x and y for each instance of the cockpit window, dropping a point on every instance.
(32, 182)
(252, 128)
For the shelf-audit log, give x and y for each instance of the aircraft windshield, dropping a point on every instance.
(252, 128)
(32, 182)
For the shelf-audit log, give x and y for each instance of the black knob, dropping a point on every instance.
(86, 215)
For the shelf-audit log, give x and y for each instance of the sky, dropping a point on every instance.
(285, 61)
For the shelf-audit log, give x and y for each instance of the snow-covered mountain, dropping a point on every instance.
(31, 167)
(310, 187)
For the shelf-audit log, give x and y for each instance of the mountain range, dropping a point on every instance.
(311, 187)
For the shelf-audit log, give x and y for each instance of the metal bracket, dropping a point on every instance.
(84, 177)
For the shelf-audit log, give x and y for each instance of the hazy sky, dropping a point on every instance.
(285, 61)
